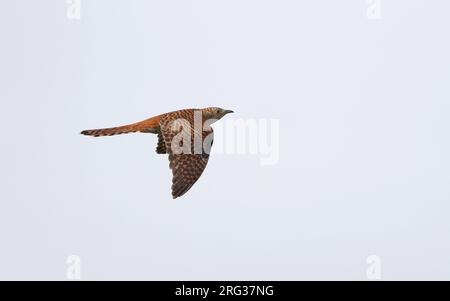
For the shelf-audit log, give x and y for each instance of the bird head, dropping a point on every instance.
(215, 113)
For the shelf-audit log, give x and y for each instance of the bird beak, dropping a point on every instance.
(228, 111)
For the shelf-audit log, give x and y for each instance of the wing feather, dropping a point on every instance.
(186, 168)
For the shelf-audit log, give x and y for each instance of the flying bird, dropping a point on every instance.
(185, 135)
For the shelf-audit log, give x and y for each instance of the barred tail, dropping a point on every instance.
(112, 131)
(150, 125)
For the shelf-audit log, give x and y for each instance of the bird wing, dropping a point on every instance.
(186, 170)
(161, 147)
(186, 167)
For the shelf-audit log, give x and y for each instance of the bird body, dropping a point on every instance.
(185, 135)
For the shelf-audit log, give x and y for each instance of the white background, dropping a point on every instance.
(364, 161)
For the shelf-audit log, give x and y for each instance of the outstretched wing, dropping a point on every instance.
(186, 170)
(186, 167)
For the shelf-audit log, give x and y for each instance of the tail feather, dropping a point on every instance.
(150, 125)
(112, 131)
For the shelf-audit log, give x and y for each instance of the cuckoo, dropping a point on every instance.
(185, 135)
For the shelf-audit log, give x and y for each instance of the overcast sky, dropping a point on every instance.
(361, 97)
